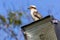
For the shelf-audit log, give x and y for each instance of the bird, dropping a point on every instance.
(34, 13)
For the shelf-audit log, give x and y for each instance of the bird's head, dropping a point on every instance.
(32, 7)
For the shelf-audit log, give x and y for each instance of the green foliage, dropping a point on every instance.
(12, 18)
(3, 19)
(17, 22)
(11, 15)
(20, 14)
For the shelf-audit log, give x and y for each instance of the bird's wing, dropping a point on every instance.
(36, 14)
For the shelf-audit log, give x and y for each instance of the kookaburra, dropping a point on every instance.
(34, 13)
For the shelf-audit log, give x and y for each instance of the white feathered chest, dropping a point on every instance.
(35, 15)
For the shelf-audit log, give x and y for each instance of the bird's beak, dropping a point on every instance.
(28, 8)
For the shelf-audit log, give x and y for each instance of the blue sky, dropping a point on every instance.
(42, 5)
(21, 5)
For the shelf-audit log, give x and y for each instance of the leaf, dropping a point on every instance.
(11, 17)
(20, 14)
(3, 19)
(11, 14)
(17, 22)
(14, 17)
(10, 20)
